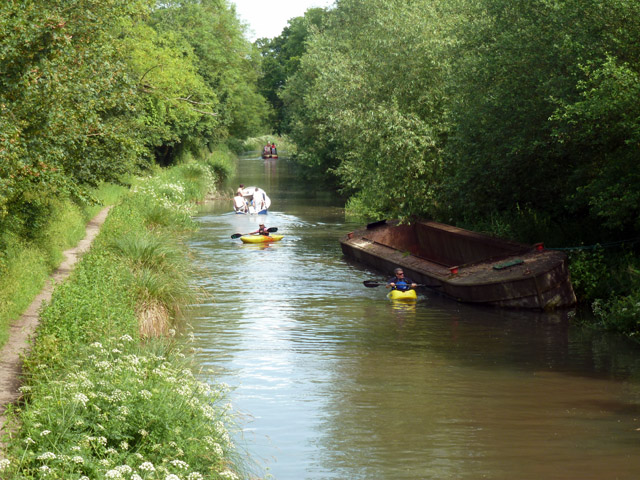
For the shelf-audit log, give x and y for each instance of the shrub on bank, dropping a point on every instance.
(104, 397)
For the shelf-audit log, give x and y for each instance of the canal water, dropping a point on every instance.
(334, 381)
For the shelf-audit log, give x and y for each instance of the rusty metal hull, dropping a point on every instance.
(467, 266)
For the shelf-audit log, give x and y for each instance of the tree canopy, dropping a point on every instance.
(467, 110)
(91, 90)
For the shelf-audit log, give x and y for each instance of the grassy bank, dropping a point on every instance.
(26, 261)
(107, 392)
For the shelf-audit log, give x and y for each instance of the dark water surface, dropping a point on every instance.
(334, 381)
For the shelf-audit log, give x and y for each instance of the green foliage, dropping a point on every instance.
(225, 61)
(221, 163)
(178, 104)
(120, 409)
(93, 91)
(590, 275)
(622, 313)
(24, 272)
(603, 126)
(355, 115)
(25, 265)
(100, 402)
(281, 59)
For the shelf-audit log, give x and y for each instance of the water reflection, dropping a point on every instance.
(338, 382)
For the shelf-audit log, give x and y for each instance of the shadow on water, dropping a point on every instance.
(337, 382)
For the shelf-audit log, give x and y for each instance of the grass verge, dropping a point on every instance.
(106, 392)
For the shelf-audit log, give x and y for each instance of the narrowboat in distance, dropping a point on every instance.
(467, 266)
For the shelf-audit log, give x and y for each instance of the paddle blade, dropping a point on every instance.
(372, 283)
(236, 235)
(272, 229)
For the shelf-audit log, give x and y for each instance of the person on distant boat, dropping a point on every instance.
(400, 282)
(240, 189)
(239, 203)
(258, 200)
(262, 230)
(274, 151)
(267, 149)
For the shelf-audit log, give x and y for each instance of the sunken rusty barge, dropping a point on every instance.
(464, 265)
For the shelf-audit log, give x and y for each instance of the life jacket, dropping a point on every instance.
(402, 284)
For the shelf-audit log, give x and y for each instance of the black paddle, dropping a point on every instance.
(373, 284)
(238, 235)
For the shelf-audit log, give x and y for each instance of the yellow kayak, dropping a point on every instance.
(261, 238)
(400, 295)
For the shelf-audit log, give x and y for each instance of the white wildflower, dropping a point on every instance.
(77, 459)
(29, 441)
(209, 412)
(171, 476)
(146, 394)
(180, 464)
(229, 475)
(147, 467)
(81, 398)
(143, 432)
(195, 476)
(113, 474)
(44, 469)
(124, 469)
(124, 445)
(217, 449)
(135, 476)
(47, 456)
(44, 433)
(4, 463)
(184, 390)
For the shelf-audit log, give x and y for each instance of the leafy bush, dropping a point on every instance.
(622, 313)
(221, 164)
(589, 274)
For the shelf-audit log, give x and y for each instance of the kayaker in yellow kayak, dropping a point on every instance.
(400, 282)
(262, 230)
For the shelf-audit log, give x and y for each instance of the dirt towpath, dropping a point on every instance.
(23, 329)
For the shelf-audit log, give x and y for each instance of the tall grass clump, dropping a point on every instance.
(107, 393)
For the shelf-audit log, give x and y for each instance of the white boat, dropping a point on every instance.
(248, 194)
